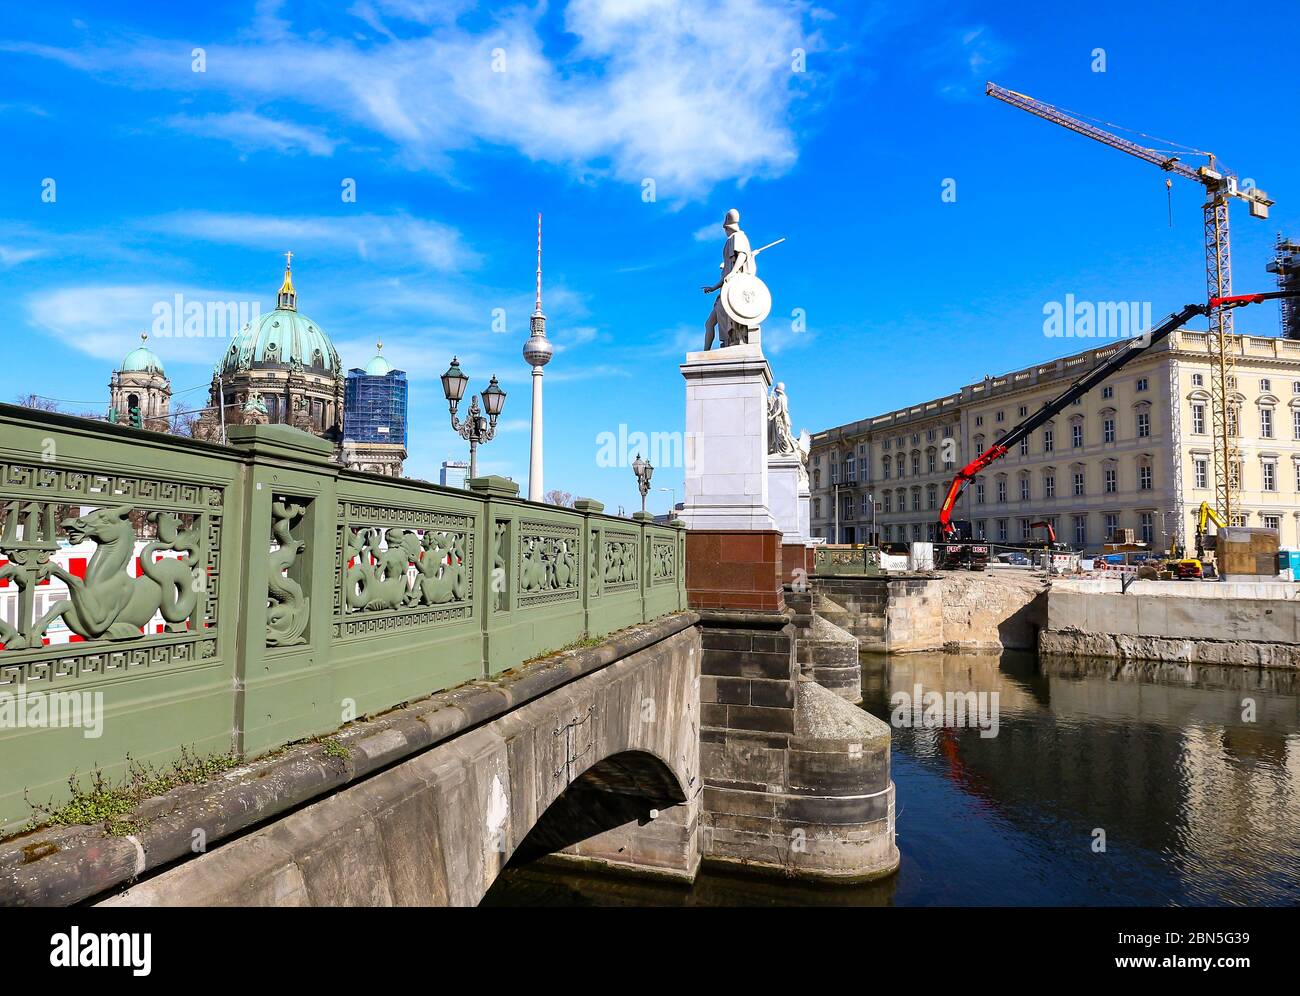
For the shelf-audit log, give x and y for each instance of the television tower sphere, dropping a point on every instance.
(538, 351)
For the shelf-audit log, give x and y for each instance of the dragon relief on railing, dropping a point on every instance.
(398, 568)
(547, 563)
(287, 607)
(108, 603)
(620, 561)
(500, 563)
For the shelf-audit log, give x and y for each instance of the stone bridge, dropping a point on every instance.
(382, 692)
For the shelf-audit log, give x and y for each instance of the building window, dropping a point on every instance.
(889, 501)
(1198, 380)
(1270, 475)
(979, 488)
(1025, 531)
(1108, 392)
(1146, 522)
(1295, 423)
(864, 506)
(886, 466)
(979, 419)
(1265, 385)
(1002, 530)
(1201, 469)
(1266, 423)
(1141, 383)
(1234, 474)
(1001, 416)
(1024, 446)
(1273, 522)
(1080, 530)
(1144, 424)
(1108, 429)
(1002, 489)
(835, 473)
(1297, 475)
(929, 435)
(932, 497)
(1022, 411)
(1198, 420)
(817, 478)
(1111, 478)
(1144, 477)
(1112, 524)
(1024, 489)
(850, 468)
(1234, 420)
(916, 499)
(931, 463)
(916, 531)
(817, 508)
(916, 463)
(1076, 435)
(1295, 387)
(1047, 440)
(889, 534)
(1049, 485)
(1078, 484)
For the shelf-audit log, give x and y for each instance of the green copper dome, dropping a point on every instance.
(282, 338)
(378, 366)
(142, 359)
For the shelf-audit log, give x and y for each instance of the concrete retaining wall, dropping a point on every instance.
(954, 611)
(1153, 623)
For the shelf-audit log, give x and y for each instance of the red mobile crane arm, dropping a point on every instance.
(1121, 357)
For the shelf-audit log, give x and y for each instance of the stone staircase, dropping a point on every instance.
(825, 651)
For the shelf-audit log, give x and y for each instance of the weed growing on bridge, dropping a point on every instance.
(109, 804)
(579, 644)
(335, 749)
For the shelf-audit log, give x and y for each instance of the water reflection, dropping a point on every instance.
(1192, 774)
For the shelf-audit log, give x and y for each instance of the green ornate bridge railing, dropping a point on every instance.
(293, 595)
(846, 558)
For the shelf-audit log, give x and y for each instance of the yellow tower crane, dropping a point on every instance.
(1221, 186)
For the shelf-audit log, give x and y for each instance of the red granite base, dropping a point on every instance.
(734, 569)
(795, 557)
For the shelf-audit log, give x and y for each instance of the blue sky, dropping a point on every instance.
(458, 123)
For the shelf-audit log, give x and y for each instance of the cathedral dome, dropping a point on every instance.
(142, 359)
(283, 339)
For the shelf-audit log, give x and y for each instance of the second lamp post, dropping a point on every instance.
(477, 428)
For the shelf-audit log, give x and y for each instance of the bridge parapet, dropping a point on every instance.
(158, 591)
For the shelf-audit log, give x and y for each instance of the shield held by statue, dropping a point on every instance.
(746, 299)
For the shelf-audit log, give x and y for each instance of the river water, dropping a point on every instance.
(1106, 784)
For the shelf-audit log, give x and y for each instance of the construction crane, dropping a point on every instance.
(1221, 186)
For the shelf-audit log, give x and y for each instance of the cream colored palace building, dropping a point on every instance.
(1135, 453)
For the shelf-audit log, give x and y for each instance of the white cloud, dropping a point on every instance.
(105, 321)
(10, 256)
(687, 93)
(381, 238)
(247, 130)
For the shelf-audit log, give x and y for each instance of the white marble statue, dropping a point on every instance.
(744, 301)
(780, 437)
(805, 448)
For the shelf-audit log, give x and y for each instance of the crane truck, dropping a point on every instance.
(952, 549)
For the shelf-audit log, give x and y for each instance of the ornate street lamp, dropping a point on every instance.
(643, 472)
(477, 428)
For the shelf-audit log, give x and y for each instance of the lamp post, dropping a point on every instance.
(643, 471)
(477, 428)
(673, 507)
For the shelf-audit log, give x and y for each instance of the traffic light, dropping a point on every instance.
(137, 420)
